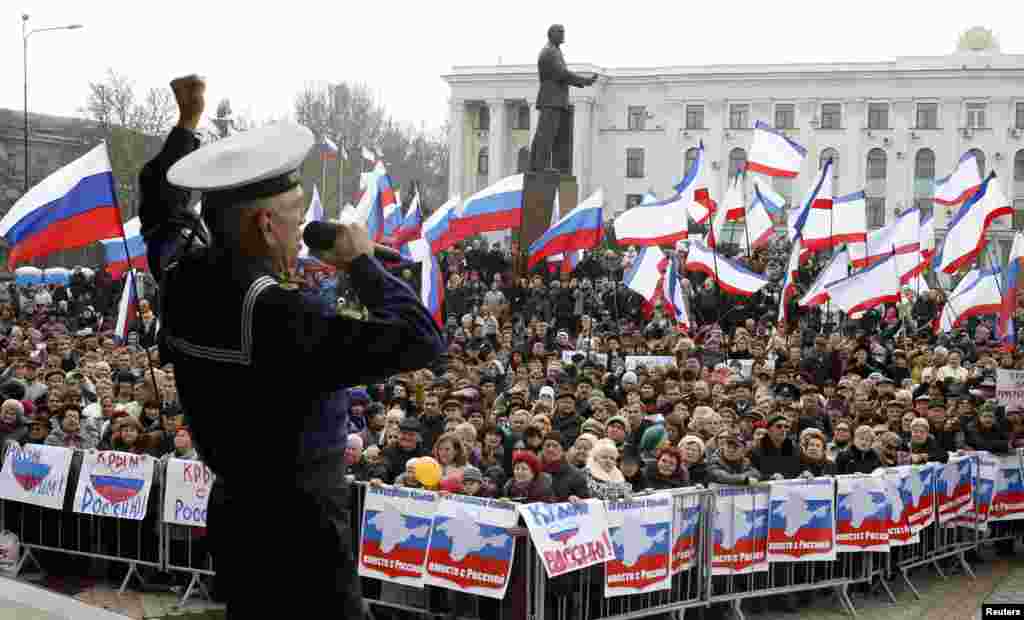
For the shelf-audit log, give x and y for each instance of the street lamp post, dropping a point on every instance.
(25, 34)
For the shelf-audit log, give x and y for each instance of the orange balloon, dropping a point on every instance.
(428, 472)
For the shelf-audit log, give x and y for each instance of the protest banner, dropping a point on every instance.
(471, 549)
(35, 474)
(396, 530)
(1010, 389)
(740, 531)
(640, 531)
(569, 536)
(187, 492)
(920, 483)
(1008, 494)
(649, 361)
(899, 498)
(114, 484)
(862, 514)
(954, 488)
(685, 528)
(800, 523)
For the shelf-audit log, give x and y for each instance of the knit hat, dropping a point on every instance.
(652, 438)
(593, 426)
(772, 421)
(629, 377)
(548, 391)
(471, 473)
(618, 420)
(692, 440)
(358, 396)
(531, 460)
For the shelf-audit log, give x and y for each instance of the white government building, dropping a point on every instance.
(891, 127)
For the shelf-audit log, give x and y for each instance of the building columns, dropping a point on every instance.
(457, 147)
(497, 140)
(582, 142)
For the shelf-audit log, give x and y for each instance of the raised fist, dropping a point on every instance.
(190, 93)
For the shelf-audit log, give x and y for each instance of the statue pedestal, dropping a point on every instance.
(538, 199)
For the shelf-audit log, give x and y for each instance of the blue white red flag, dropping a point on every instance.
(961, 184)
(1013, 283)
(696, 188)
(774, 154)
(967, 230)
(579, 229)
(127, 308)
(732, 277)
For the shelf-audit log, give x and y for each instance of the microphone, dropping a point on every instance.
(320, 236)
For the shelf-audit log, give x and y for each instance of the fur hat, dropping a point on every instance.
(531, 460)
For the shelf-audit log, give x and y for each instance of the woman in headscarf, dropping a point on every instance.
(668, 471)
(528, 482)
(692, 449)
(813, 458)
(603, 476)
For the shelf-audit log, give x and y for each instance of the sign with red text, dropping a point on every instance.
(862, 514)
(685, 532)
(898, 494)
(954, 488)
(801, 521)
(395, 534)
(569, 536)
(187, 495)
(640, 531)
(740, 531)
(1010, 389)
(37, 475)
(114, 484)
(1008, 494)
(471, 549)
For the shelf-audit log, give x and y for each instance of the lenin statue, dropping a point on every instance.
(552, 144)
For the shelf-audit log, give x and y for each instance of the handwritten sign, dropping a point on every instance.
(569, 536)
(740, 531)
(649, 361)
(640, 532)
(114, 484)
(36, 475)
(685, 531)
(1010, 389)
(471, 549)
(396, 530)
(801, 520)
(862, 514)
(188, 492)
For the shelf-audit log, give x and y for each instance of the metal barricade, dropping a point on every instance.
(42, 531)
(185, 551)
(580, 595)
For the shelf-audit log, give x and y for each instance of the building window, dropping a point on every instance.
(831, 116)
(483, 119)
(878, 116)
(1018, 166)
(633, 200)
(876, 164)
(483, 162)
(785, 116)
(737, 162)
(826, 155)
(976, 115)
(635, 163)
(523, 118)
(691, 158)
(924, 173)
(1020, 116)
(637, 117)
(927, 116)
(695, 117)
(876, 212)
(925, 206)
(1018, 214)
(979, 155)
(739, 116)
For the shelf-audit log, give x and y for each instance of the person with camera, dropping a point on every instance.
(237, 329)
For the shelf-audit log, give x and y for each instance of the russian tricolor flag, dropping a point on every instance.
(315, 213)
(837, 269)
(661, 223)
(498, 207)
(961, 184)
(1005, 329)
(437, 229)
(411, 226)
(431, 278)
(378, 199)
(966, 236)
(732, 277)
(773, 154)
(579, 229)
(695, 186)
(118, 260)
(789, 282)
(127, 308)
(862, 291)
(71, 208)
(643, 276)
(981, 297)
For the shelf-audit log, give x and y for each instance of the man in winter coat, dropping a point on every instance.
(566, 421)
(567, 482)
(727, 466)
(777, 455)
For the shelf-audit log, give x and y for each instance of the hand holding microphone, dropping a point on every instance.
(340, 244)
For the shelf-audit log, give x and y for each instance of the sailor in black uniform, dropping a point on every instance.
(260, 367)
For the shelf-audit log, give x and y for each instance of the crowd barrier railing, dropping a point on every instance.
(152, 544)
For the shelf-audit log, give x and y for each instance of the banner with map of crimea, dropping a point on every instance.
(640, 531)
(471, 549)
(396, 529)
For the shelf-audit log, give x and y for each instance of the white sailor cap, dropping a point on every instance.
(246, 166)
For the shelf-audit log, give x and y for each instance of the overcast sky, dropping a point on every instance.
(260, 54)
